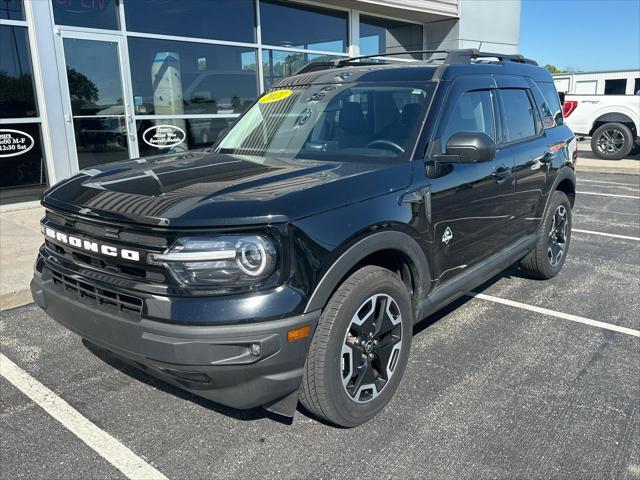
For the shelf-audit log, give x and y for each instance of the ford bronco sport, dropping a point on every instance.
(291, 261)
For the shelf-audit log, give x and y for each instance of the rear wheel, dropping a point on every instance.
(554, 237)
(360, 349)
(612, 141)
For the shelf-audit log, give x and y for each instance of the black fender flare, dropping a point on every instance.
(387, 240)
(565, 173)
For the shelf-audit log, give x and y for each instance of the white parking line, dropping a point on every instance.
(613, 235)
(553, 313)
(609, 183)
(609, 195)
(104, 444)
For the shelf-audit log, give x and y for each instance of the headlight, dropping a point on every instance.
(226, 261)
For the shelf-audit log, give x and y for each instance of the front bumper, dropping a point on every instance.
(212, 361)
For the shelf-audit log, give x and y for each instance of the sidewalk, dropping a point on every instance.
(20, 239)
(588, 162)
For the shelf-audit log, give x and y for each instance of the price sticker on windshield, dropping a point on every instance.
(275, 96)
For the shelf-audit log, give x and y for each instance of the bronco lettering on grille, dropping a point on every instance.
(91, 246)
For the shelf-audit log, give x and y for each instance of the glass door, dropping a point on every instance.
(98, 112)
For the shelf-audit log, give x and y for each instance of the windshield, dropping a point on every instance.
(352, 121)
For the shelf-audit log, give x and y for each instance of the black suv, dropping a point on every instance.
(291, 261)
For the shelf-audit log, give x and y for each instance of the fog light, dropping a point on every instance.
(255, 349)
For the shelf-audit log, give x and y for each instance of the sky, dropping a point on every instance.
(587, 35)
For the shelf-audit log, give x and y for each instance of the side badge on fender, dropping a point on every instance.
(447, 236)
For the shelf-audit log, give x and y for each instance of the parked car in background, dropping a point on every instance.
(612, 122)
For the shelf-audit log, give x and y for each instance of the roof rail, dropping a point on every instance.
(454, 57)
(458, 57)
(343, 62)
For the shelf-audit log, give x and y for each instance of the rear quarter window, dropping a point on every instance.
(552, 106)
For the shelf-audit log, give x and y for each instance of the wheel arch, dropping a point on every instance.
(614, 117)
(564, 181)
(385, 249)
(567, 186)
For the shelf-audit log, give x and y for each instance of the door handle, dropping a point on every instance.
(501, 173)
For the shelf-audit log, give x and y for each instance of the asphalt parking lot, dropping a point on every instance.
(492, 390)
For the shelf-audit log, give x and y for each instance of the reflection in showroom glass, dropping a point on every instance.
(11, 10)
(86, 13)
(100, 140)
(382, 35)
(174, 78)
(93, 75)
(303, 26)
(278, 64)
(17, 94)
(24, 175)
(225, 20)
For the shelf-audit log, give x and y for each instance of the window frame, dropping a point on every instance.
(456, 90)
(541, 100)
(445, 124)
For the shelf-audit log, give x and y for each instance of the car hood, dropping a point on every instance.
(200, 189)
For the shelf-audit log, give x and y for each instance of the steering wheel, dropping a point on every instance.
(387, 143)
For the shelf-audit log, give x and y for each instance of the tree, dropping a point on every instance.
(552, 69)
(83, 91)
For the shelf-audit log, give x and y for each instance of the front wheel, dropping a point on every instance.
(360, 349)
(554, 236)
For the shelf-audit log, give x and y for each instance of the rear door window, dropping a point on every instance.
(517, 114)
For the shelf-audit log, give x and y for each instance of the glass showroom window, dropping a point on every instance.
(11, 10)
(21, 158)
(381, 35)
(87, 13)
(176, 78)
(278, 64)
(302, 26)
(173, 135)
(220, 19)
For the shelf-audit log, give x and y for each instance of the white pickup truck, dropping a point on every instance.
(612, 122)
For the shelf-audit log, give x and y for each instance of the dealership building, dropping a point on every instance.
(85, 82)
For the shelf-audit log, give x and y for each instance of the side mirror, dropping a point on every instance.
(468, 147)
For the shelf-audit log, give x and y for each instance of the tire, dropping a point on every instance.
(332, 388)
(612, 141)
(543, 262)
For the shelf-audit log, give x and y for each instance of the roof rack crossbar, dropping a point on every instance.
(342, 61)
(457, 57)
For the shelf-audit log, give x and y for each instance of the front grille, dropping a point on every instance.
(123, 237)
(87, 293)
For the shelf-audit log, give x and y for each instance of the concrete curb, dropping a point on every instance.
(611, 169)
(14, 299)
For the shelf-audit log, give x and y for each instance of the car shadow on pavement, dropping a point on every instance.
(512, 272)
(139, 375)
(259, 413)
